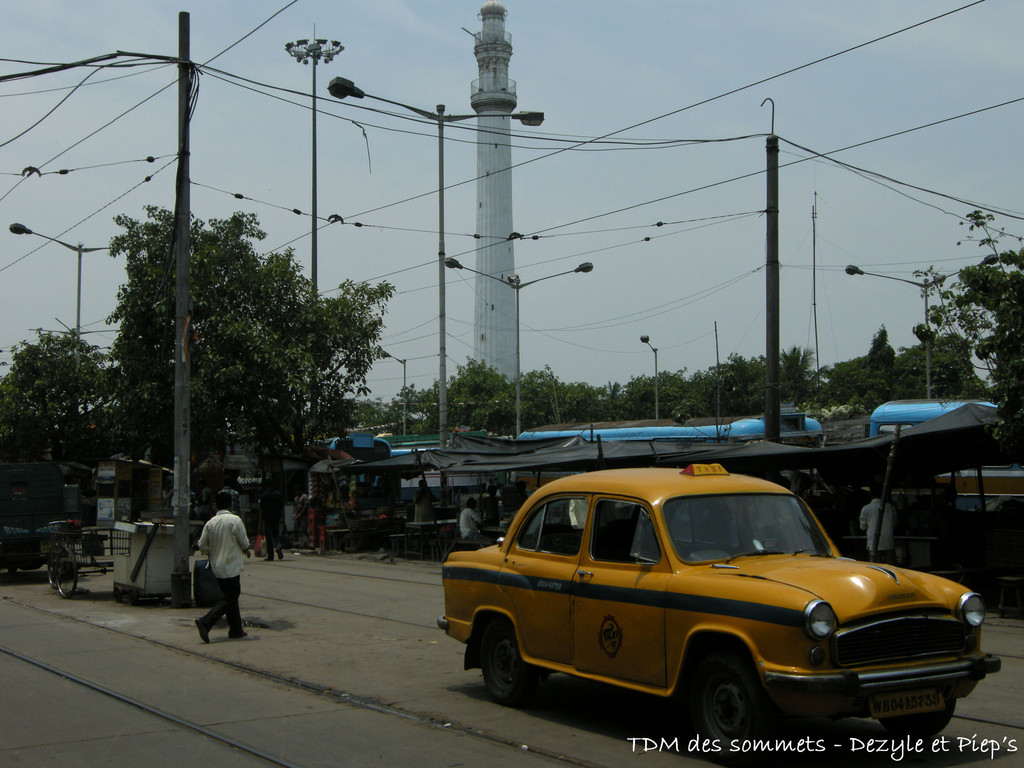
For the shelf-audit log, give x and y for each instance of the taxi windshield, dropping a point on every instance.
(730, 525)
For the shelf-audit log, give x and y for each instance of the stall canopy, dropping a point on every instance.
(960, 439)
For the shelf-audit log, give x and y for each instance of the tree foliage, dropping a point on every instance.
(54, 401)
(986, 308)
(272, 362)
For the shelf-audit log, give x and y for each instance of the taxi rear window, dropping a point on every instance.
(720, 526)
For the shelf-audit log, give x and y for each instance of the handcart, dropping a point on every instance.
(144, 561)
(79, 550)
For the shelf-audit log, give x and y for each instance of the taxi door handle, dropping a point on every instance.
(585, 574)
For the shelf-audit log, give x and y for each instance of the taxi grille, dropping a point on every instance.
(896, 639)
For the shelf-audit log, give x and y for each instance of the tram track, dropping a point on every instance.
(149, 709)
(302, 564)
(360, 701)
(319, 607)
(331, 693)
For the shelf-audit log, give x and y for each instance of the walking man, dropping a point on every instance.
(224, 540)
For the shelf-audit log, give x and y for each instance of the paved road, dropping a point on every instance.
(344, 666)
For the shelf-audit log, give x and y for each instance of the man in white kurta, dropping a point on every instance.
(225, 542)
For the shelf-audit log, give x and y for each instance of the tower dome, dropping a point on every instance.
(493, 8)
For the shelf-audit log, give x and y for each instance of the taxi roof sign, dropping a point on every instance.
(698, 470)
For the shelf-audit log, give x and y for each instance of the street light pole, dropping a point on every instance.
(305, 51)
(513, 282)
(924, 286)
(647, 340)
(341, 88)
(21, 229)
(405, 429)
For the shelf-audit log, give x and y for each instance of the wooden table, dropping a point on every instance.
(427, 536)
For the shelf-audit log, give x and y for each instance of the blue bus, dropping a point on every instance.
(994, 481)
(794, 429)
(906, 413)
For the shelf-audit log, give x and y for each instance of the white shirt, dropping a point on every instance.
(869, 523)
(469, 523)
(224, 540)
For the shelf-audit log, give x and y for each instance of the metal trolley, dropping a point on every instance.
(76, 550)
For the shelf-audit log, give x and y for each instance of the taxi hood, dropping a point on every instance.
(854, 588)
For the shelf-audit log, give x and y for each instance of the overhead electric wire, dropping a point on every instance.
(67, 171)
(101, 61)
(89, 136)
(678, 111)
(94, 213)
(875, 175)
(52, 109)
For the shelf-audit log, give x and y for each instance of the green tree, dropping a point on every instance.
(986, 307)
(54, 401)
(863, 382)
(272, 362)
(611, 402)
(797, 375)
(881, 358)
(953, 374)
(479, 397)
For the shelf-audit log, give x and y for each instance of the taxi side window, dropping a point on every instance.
(623, 532)
(556, 527)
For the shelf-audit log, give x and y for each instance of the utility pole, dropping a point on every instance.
(814, 290)
(180, 591)
(772, 402)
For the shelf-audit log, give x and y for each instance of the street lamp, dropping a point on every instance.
(924, 286)
(304, 52)
(341, 88)
(405, 430)
(647, 340)
(513, 282)
(21, 229)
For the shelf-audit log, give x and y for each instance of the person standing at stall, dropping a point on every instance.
(879, 523)
(271, 512)
(423, 502)
(224, 540)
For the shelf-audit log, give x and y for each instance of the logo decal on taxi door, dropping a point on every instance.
(610, 636)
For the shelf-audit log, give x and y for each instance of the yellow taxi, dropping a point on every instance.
(721, 589)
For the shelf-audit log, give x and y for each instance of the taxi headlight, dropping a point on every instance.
(971, 609)
(819, 620)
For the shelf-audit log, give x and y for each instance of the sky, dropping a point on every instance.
(655, 112)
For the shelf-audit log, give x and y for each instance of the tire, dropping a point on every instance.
(66, 574)
(922, 725)
(51, 566)
(728, 703)
(509, 679)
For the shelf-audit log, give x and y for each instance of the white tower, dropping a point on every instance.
(493, 99)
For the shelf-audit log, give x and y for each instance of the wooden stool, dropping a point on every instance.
(1010, 585)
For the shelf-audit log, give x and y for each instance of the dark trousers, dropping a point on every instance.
(271, 531)
(231, 589)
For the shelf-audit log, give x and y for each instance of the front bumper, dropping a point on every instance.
(852, 683)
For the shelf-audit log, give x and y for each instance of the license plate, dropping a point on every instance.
(908, 703)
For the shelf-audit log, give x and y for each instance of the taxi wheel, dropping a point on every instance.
(921, 725)
(509, 679)
(727, 701)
